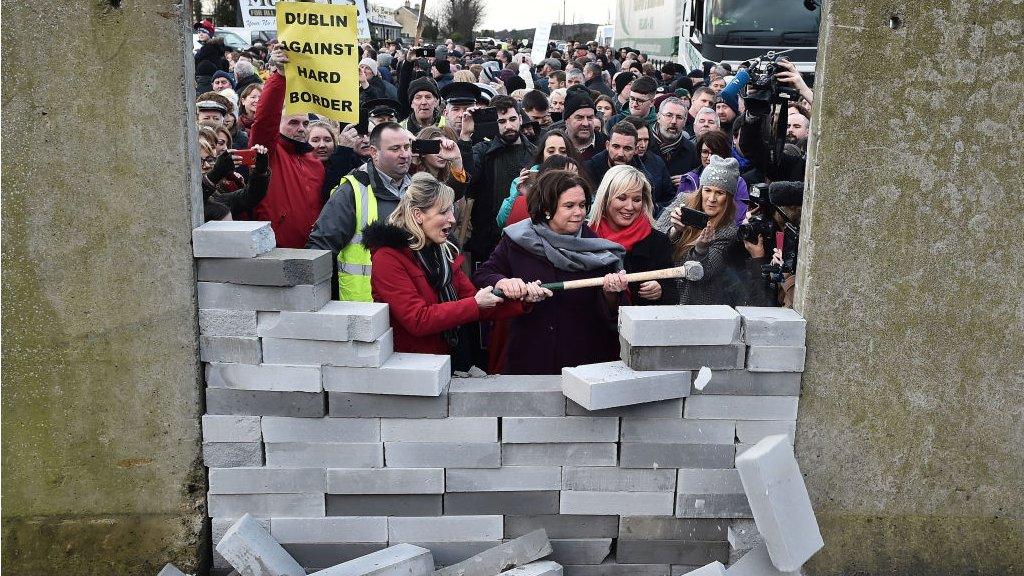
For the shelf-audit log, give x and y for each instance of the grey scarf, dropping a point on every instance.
(567, 252)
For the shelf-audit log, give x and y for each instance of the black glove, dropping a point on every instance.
(262, 163)
(222, 168)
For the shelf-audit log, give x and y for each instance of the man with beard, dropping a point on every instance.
(619, 149)
(798, 127)
(492, 167)
(668, 139)
(579, 123)
(662, 189)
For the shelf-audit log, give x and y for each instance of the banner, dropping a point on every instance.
(540, 41)
(262, 14)
(322, 73)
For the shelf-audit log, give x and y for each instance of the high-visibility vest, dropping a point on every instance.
(354, 259)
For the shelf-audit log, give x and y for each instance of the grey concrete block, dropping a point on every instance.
(711, 493)
(713, 569)
(466, 430)
(524, 502)
(279, 267)
(402, 374)
(747, 383)
(398, 560)
(540, 568)
(504, 479)
(758, 562)
(335, 529)
(563, 525)
(448, 553)
(721, 357)
(232, 239)
(345, 404)
(776, 358)
(741, 407)
(267, 480)
(685, 569)
(679, 325)
(320, 430)
(242, 297)
(231, 428)
(269, 377)
(324, 455)
(513, 553)
(322, 352)
(780, 503)
(670, 552)
(384, 505)
(170, 570)
(637, 455)
(237, 323)
(442, 455)
(581, 550)
(507, 396)
(230, 349)
(612, 568)
(619, 503)
(265, 505)
(676, 431)
(337, 321)
(254, 552)
(598, 479)
(664, 409)
(772, 326)
(264, 403)
(574, 429)
(753, 431)
(569, 454)
(219, 526)
(445, 528)
(232, 454)
(385, 481)
(613, 384)
(322, 556)
(743, 536)
(669, 528)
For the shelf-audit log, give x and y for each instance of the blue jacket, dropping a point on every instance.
(655, 170)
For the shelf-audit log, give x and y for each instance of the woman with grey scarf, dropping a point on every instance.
(571, 327)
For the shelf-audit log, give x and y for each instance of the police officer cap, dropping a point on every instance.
(382, 107)
(461, 93)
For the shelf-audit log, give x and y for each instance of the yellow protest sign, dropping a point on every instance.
(322, 73)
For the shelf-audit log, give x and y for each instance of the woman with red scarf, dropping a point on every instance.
(623, 213)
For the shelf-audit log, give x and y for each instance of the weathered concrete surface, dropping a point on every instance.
(101, 395)
(910, 432)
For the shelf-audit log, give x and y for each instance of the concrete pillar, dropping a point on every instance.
(910, 430)
(102, 471)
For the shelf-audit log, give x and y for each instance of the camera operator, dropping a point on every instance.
(760, 133)
(770, 270)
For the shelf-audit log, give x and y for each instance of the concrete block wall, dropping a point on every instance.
(294, 436)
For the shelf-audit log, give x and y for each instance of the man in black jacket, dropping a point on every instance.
(668, 139)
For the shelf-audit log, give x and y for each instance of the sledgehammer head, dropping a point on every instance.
(694, 270)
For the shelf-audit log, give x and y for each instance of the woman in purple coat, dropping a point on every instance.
(572, 327)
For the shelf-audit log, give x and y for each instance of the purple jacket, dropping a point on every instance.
(571, 328)
(691, 181)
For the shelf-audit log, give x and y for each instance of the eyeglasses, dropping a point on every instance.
(639, 101)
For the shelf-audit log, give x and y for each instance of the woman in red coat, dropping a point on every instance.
(417, 271)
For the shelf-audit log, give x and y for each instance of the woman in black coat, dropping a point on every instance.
(623, 213)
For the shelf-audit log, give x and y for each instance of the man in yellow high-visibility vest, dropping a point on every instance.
(366, 194)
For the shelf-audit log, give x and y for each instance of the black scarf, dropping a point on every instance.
(439, 274)
(667, 147)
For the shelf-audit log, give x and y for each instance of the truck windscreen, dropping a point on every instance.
(773, 21)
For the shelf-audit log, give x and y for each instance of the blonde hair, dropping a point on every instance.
(424, 193)
(464, 76)
(695, 201)
(618, 179)
(331, 129)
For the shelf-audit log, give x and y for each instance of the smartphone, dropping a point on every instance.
(426, 146)
(248, 156)
(485, 123)
(695, 218)
(422, 52)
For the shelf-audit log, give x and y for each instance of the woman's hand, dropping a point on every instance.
(755, 250)
(513, 288)
(485, 298)
(535, 292)
(349, 137)
(707, 236)
(650, 290)
(615, 282)
(777, 256)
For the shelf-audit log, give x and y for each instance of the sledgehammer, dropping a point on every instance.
(691, 270)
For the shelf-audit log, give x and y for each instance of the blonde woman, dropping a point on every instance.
(417, 271)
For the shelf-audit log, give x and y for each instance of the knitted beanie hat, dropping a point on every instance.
(721, 173)
(621, 80)
(369, 63)
(422, 84)
(577, 99)
(443, 66)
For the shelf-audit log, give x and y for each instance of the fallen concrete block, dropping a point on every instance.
(613, 384)
(669, 528)
(232, 454)
(442, 455)
(683, 569)
(710, 407)
(612, 568)
(507, 396)
(511, 554)
(646, 455)
(562, 525)
(465, 430)
(605, 479)
(713, 569)
(384, 504)
(574, 429)
(337, 321)
(324, 455)
(670, 552)
(321, 352)
(278, 267)
(445, 529)
(235, 323)
(385, 481)
(780, 503)
(170, 570)
(320, 430)
(230, 349)
(231, 428)
(243, 297)
(541, 568)
(522, 502)
(568, 454)
(753, 431)
(321, 556)
(402, 374)
(268, 377)
(254, 552)
(232, 239)
(772, 326)
(264, 403)
(346, 404)
(742, 537)
(710, 493)
(616, 503)
(586, 551)
(747, 383)
(504, 479)
(250, 480)
(776, 358)
(671, 431)
(329, 530)
(679, 325)
(219, 527)
(448, 553)
(398, 560)
(718, 357)
(265, 505)
(664, 409)
(757, 562)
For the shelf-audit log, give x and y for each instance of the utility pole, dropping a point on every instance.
(420, 23)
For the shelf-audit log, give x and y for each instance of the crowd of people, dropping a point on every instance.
(476, 175)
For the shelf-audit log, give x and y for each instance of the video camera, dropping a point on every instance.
(768, 199)
(763, 131)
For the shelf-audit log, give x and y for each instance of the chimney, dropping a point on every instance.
(407, 4)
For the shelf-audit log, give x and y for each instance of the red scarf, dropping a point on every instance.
(628, 236)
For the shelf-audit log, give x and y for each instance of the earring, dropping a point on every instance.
(547, 215)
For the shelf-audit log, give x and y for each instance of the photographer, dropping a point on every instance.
(760, 133)
(770, 270)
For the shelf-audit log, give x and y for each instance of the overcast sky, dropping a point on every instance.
(512, 14)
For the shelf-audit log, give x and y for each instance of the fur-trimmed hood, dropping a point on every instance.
(380, 234)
